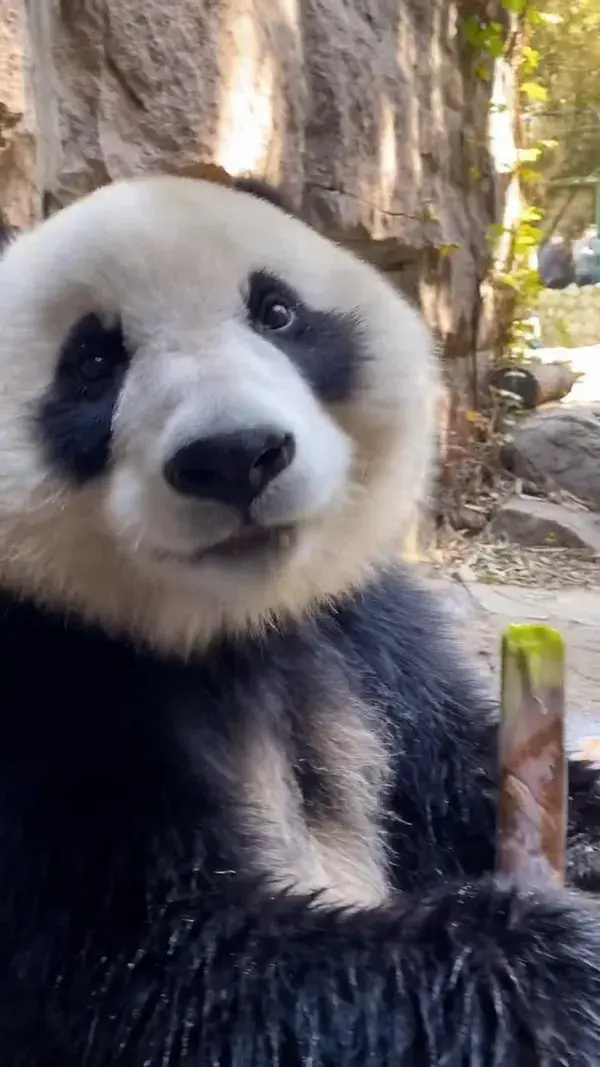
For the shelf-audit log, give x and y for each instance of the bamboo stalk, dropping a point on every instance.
(532, 828)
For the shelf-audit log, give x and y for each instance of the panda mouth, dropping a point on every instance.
(252, 540)
(249, 543)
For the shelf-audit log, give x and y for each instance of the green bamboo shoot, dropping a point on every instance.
(532, 827)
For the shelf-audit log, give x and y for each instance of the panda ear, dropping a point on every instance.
(263, 191)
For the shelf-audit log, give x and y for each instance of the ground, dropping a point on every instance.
(483, 611)
(488, 584)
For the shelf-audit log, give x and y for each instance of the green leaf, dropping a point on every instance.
(447, 250)
(494, 40)
(531, 58)
(527, 175)
(473, 31)
(529, 155)
(534, 92)
(532, 214)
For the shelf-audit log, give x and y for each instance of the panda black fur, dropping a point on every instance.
(247, 785)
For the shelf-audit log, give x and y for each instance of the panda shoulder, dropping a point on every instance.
(402, 638)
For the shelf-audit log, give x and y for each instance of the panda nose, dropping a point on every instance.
(234, 468)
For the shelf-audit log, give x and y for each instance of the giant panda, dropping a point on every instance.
(247, 781)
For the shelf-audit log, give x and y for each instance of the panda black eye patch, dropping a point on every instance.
(326, 346)
(75, 416)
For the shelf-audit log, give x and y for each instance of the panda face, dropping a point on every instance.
(213, 452)
(204, 404)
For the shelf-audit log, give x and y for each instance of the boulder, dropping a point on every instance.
(560, 446)
(533, 522)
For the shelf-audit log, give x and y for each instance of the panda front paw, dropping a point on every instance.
(583, 851)
(516, 975)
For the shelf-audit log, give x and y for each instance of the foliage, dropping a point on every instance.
(566, 38)
(554, 46)
(512, 40)
(520, 276)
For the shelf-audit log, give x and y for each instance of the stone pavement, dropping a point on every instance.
(487, 609)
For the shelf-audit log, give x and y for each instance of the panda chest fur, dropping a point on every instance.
(127, 776)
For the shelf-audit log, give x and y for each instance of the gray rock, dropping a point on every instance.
(561, 445)
(533, 522)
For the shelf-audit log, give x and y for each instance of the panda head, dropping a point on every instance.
(211, 417)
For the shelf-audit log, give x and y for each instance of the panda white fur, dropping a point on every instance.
(247, 786)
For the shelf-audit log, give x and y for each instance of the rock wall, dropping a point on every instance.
(371, 114)
(570, 318)
(18, 195)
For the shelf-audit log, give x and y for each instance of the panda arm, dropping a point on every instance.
(583, 854)
(460, 969)
(471, 974)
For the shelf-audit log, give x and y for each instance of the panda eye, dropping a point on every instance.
(93, 357)
(271, 305)
(274, 314)
(93, 368)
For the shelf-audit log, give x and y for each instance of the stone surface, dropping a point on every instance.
(570, 317)
(585, 362)
(590, 750)
(371, 114)
(560, 445)
(18, 195)
(482, 612)
(530, 521)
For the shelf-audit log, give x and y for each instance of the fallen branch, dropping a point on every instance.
(535, 384)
